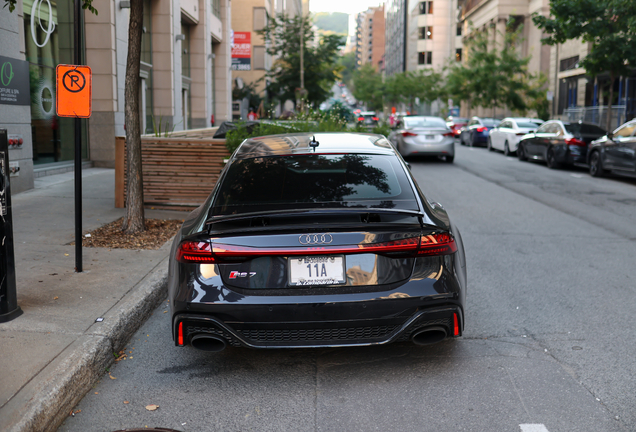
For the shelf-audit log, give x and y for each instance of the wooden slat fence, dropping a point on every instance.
(178, 173)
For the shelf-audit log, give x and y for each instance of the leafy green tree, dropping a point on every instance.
(368, 87)
(496, 76)
(609, 26)
(320, 69)
(347, 65)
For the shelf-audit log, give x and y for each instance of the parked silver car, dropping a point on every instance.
(424, 136)
(507, 135)
(614, 152)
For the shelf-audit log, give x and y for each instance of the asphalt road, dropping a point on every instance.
(548, 343)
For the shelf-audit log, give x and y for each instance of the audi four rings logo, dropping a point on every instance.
(313, 239)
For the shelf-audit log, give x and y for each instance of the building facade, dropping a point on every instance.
(370, 37)
(185, 77)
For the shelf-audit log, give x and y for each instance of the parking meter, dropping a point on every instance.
(9, 308)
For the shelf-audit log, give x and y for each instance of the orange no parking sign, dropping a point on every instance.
(73, 91)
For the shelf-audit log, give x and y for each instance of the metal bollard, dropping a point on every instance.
(9, 308)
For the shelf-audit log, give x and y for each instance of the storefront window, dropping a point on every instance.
(48, 31)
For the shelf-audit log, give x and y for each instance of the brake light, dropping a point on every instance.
(457, 131)
(360, 118)
(374, 118)
(576, 142)
(195, 252)
(449, 134)
(408, 134)
(428, 245)
(481, 129)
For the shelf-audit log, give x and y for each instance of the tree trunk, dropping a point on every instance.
(608, 121)
(134, 218)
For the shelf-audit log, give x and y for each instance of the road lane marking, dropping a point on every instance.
(533, 428)
(577, 175)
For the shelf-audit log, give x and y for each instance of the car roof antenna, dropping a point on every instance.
(313, 143)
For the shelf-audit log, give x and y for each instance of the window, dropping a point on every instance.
(458, 54)
(260, 18)
(426, 7)
(569, 63)
(259, 57)
(425, 58)
(459, 30)
(185, 51)
(426, 32)
(506, 124)
(216, 8)
(309, 181)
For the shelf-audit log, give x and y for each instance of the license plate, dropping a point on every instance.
(316, 270)
(430, 137)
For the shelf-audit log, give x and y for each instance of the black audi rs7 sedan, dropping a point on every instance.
(318, 240)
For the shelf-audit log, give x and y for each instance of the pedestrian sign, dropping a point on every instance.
(73, 91)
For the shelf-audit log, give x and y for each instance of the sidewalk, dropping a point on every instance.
(54, 352)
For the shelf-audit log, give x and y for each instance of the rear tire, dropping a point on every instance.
(596, 165)
(521, 154)
(550, 159)
(507, 151)
(472, 141)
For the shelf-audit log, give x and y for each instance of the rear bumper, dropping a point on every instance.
(445, 148)
(316, 334)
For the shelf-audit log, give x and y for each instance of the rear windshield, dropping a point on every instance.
(311, 181)
(490, 122)
(425, 123)
(458, 120)
(528, 125)
(580, 128)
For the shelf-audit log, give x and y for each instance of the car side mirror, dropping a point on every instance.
(610, 135)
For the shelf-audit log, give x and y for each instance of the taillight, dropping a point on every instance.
(428, 245)
(457, 131)
(408, 134)
(481, 129)
(576, 142)
(520, 133)
(195, 252)
(449, 134)
(360, 118)
(437, 244)
(374, 118)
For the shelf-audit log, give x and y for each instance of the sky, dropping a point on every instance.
(346, 6)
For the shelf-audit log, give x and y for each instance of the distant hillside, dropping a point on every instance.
(336, 22)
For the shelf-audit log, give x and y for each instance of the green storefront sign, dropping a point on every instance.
(14, 82)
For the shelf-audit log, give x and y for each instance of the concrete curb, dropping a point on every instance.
(76, 370)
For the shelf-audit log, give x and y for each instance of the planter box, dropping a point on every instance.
(178, 172)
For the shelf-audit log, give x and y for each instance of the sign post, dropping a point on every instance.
(73, 99)
(9, 308)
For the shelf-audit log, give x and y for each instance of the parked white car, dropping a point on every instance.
(507, 135)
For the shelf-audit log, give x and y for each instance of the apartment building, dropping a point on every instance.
(577, 96)
(250, 60)
(185, 75)
(370, 37)
(421, 35)
(492, 16)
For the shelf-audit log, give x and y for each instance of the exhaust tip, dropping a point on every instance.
(208, 343)
(429, 335)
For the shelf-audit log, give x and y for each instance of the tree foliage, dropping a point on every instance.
(495, 76)
(320, 70)
(609, 26)
(347, 66)
(403, 87)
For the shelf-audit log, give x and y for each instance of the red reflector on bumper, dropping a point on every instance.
(180, 333)
(455, 325)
